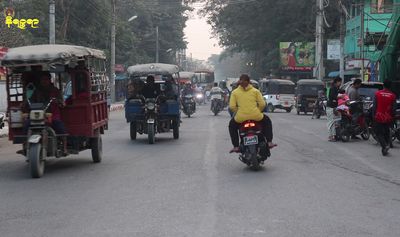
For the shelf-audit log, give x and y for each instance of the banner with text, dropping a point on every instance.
(297, 56)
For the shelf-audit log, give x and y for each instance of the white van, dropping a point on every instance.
(279, 94)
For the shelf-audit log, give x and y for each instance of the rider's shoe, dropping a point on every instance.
(271, 145)
(21, 152)
(385, 151)
(235, 150)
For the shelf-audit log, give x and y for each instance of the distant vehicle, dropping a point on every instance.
(185, 77)
(204, 78)
(307, 94)
(188, 105)
(278, 93)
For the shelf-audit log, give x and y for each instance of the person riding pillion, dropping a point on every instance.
(247, 103)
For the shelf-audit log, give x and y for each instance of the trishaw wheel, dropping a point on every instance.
(133, 131)
(175, 127)
(97, 149)
(151, 133)
(36, 161)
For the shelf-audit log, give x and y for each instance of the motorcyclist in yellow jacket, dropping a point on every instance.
(248, 103)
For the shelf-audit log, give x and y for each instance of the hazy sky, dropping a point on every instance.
(198, 34)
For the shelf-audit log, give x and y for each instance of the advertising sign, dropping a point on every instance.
(3, 52)
(333, 49)
(297, 56)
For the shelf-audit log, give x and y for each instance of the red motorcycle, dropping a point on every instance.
(350, 125)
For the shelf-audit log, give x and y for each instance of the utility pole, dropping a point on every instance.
(319, 39)
(362, 41)
(52, 21)
(342, 31)
(157, 46)
(112, 63)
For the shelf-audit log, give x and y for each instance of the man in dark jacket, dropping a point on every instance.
(151, 89)
(383, 111)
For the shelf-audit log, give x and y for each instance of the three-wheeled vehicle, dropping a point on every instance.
(278, 93)
(307, 94)
(154, 115)
(83, 115)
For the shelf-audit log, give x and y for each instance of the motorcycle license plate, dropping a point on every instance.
(250, 140)
(150, 121)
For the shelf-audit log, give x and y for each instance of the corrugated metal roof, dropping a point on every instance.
(48, 53)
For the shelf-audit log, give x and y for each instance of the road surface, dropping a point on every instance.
(193, 187)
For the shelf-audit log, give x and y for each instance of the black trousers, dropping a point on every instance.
(266, 130)
(382, 131)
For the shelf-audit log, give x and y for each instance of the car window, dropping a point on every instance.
(286, 89)
(367, 93)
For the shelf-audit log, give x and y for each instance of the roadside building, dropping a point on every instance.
(367, 29)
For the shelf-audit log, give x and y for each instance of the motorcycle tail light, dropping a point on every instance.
(249, 125)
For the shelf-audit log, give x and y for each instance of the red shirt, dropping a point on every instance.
(385, 100)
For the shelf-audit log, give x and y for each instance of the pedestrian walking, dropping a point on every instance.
(383, 111)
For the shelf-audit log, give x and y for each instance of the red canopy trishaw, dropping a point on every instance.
(84, 115)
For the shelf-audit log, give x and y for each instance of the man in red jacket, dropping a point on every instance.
(383, 111)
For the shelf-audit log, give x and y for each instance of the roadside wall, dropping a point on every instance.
(3, 96)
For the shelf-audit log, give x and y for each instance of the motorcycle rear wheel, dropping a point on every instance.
(365, 135)
(255, 164)
(151, 134)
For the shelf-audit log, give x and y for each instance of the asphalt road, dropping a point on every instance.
(193, 187)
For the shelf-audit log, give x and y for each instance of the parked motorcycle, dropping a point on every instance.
(253, 145)
(189, 105)
(348, 128)
(2, 118)
(216, 103)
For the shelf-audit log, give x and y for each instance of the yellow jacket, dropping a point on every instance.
(248, 104)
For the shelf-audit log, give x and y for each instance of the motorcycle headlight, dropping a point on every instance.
(150, 106)
(36, 115)
(199, 96)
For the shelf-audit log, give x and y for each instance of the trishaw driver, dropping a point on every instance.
(151, 90)
(43, 94)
